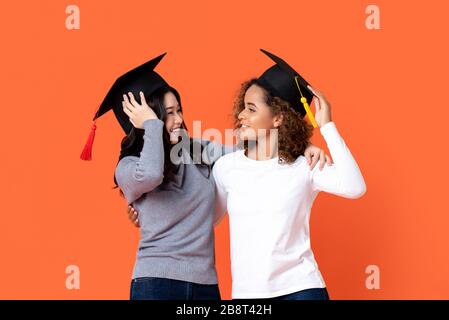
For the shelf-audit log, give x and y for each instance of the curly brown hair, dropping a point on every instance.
(294, 133)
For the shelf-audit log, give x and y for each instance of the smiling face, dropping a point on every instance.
(174, 119)
(256, 118)
(256, 108)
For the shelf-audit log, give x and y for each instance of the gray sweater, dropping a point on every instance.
(176, 217)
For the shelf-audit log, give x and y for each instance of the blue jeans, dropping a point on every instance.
(168, 289)
(308, 294)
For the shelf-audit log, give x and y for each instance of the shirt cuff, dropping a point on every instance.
(328, 129)
(152, 124)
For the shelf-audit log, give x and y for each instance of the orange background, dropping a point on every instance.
(387, 89)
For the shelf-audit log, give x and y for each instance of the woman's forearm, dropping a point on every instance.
(344, 178)
(138, 175)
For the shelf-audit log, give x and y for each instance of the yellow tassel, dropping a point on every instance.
(306, 106)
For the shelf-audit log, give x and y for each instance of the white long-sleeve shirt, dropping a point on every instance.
(269, 209)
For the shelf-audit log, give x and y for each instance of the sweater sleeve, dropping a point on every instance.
(221, 195)
(138, 175)
(343, 178)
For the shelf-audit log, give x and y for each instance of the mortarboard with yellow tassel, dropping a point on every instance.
(284, 82)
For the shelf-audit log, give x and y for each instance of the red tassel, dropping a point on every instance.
(87, 151)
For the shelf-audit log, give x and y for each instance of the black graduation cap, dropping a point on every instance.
(143, 78)
(284, 82)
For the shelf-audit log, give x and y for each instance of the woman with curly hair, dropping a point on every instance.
(268, 189)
